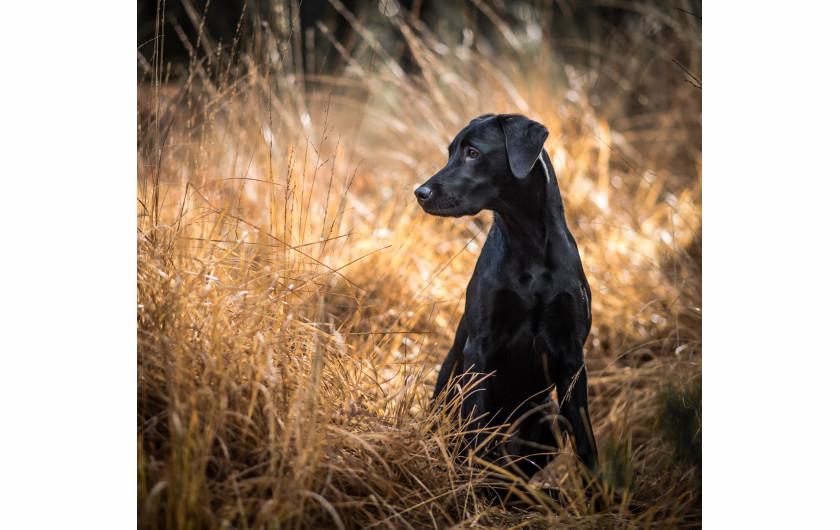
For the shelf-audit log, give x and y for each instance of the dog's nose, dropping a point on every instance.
(422, 193)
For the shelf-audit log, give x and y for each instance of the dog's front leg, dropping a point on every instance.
(453, 366)
(474, 407)
(574, 407)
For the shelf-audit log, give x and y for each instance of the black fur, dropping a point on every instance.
(527, 311)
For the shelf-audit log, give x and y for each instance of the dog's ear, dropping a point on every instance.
(524, 141)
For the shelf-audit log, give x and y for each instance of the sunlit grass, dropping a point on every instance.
(294, 301)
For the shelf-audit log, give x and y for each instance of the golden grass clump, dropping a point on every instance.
(294, 302)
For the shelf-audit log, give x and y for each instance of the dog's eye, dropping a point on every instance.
(472, 153)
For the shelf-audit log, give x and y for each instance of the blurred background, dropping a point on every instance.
(294, 302)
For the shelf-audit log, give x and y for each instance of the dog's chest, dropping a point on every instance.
(519, 309)
(530, 282)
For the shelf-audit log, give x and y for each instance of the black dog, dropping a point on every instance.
(527, 311)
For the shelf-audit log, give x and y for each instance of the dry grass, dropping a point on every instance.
(294, 301)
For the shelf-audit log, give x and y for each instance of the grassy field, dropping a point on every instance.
(294, 302)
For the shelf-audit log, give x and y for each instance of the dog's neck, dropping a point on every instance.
(530, 218)
(524, 237)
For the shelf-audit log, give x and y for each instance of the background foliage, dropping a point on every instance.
(294, 302)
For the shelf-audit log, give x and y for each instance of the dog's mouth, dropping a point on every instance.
(448, 206)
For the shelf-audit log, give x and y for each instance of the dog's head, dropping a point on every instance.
(491, 153)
